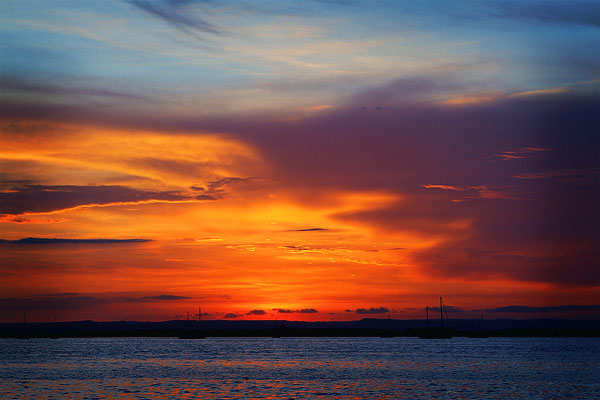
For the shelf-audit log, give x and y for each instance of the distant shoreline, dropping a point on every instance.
(367, 327)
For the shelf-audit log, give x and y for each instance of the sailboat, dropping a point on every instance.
(276, 331)
(479, 334)
(435, 332)
(194, 334)
(389, 333)
(23, 334)
(54, 334)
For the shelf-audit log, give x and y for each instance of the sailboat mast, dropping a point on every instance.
(441, 314)
(427, 314)
(199, 318)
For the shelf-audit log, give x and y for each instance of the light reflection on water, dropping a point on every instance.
(299, 368)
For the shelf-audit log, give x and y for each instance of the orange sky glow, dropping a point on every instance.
(255, 243)
(326, 160)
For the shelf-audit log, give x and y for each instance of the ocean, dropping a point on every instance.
(300, 368)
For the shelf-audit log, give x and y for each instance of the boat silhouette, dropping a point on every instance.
(434, 332)
(281, 330)
(389, 332)
(479, 334)
(194, 333)
(276, 330)
(23, 334)
(54, 334)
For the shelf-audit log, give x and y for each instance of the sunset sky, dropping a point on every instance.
(305, 160)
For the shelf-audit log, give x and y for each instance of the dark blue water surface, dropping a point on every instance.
(300, 368)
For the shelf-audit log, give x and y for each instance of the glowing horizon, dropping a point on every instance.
(334, 160)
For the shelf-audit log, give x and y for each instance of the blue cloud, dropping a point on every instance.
(177, 13)
(308, 230)
(43, 198)
(307, 311)
(527, 309)
(165, 297)
(256, 312)
(379, 310)
(34, 240)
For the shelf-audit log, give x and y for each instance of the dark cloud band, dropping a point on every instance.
(527, 309)
(33, 240)
(46, 198)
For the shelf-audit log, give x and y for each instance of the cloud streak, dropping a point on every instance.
(372, 310)
(256, 312)
(557, 13)
(308, 230)
(31, 198)
(167, 297)
(23, 85)
(76, 301)
(450, 309)
(300, 311)
(45, 241)
(527, 309)
(307, 311)
(182, 14)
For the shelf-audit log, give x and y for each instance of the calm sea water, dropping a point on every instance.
(300, 368)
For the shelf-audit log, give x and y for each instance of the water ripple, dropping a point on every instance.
(300, 368)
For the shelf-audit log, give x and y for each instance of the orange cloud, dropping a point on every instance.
(320, 214)
(71, 154)
(473, 99)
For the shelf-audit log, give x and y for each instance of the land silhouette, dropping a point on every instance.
(366, 327)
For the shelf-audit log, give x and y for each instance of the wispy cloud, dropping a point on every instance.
(217, 189)
(528, 309)
(49, 198)
(69, 301)
(168, 297)
(447, 309)
(20, 84)
(301, 311)
(256, 312)
(549, 12)
(474, 192)
(444, 187)
(561, 173)
(18, 219)
(477, 259)
(378, 310)
(525, 152)
(65, 302)
(307, 311)
(182, 14)
(308, 230)
(34, 240)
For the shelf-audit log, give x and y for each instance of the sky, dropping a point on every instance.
(315, 160)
